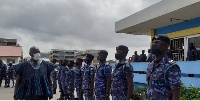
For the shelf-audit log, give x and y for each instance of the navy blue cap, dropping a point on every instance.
(103, 52)
(80, 59)
(122, 47)
(163, 38)
(90, 56)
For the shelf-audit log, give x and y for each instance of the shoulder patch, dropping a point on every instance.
(128, 64)
(171, 61)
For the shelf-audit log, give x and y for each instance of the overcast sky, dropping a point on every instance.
(71, 24)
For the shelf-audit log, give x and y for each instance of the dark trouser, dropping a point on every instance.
(1, 78)
(13, 81)
(79, 95)
(36, 98)
(7, 80)
(87, 95)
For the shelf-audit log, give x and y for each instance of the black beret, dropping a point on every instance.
(103, 52)
(163, 38)
(122, 47)
(90, 56)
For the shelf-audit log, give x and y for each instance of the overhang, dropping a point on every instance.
(163, 13)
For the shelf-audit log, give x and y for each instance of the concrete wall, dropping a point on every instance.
(4, 59)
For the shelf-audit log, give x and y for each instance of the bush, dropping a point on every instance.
(190, 93)
(187, 93)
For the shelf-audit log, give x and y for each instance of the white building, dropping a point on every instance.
(63, 54)
(11, 54)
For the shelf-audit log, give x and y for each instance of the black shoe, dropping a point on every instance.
(8, 86)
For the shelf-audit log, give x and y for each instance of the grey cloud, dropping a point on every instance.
(71, 24)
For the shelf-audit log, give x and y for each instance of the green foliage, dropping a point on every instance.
(139, 93)
(187, 93)
(190, 93)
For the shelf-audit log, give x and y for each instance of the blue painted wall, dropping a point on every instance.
(179, 26)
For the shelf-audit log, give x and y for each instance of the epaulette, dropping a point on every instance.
(171, 61)
(127, 64)
(91, 67)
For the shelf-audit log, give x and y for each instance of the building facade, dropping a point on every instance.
(82, 54)
(178, 19)
(62, 54)
(8, 42)
(12, 54)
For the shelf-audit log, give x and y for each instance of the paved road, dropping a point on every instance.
(7, 93)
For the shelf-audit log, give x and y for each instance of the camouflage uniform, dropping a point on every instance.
(121, 72)
(157, 89)
(7, 79)
(67, 77)
(11, 72)
(192, 55)
(54, 76)
(103, 71)
(3, 69)
(59, 74)
(89, 71)
(78, 83)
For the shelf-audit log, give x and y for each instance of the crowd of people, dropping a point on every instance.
(7, 73)
(37, 79)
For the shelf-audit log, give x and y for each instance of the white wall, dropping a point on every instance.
(4, 59)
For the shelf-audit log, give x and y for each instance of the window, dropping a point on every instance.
(11, 60)
(196, 43)
(176, 52)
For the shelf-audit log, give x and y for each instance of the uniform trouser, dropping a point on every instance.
(13, 81)
(54, 83)
(87, 95)
(1, 78)
(118, 97)
(7, 80)
(69, 96)
(79, 95)
(100, 96)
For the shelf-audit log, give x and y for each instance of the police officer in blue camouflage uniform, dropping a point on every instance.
(78, 78)
(88, 78)
(3, 69)
(192, 54)
(103, 77)
(54, 75)
(11, 74)
(60, 66)
(67, 81)
(122, 77)
(163, 74)
(7, 79)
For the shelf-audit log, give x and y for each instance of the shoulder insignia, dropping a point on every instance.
(127, 64)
